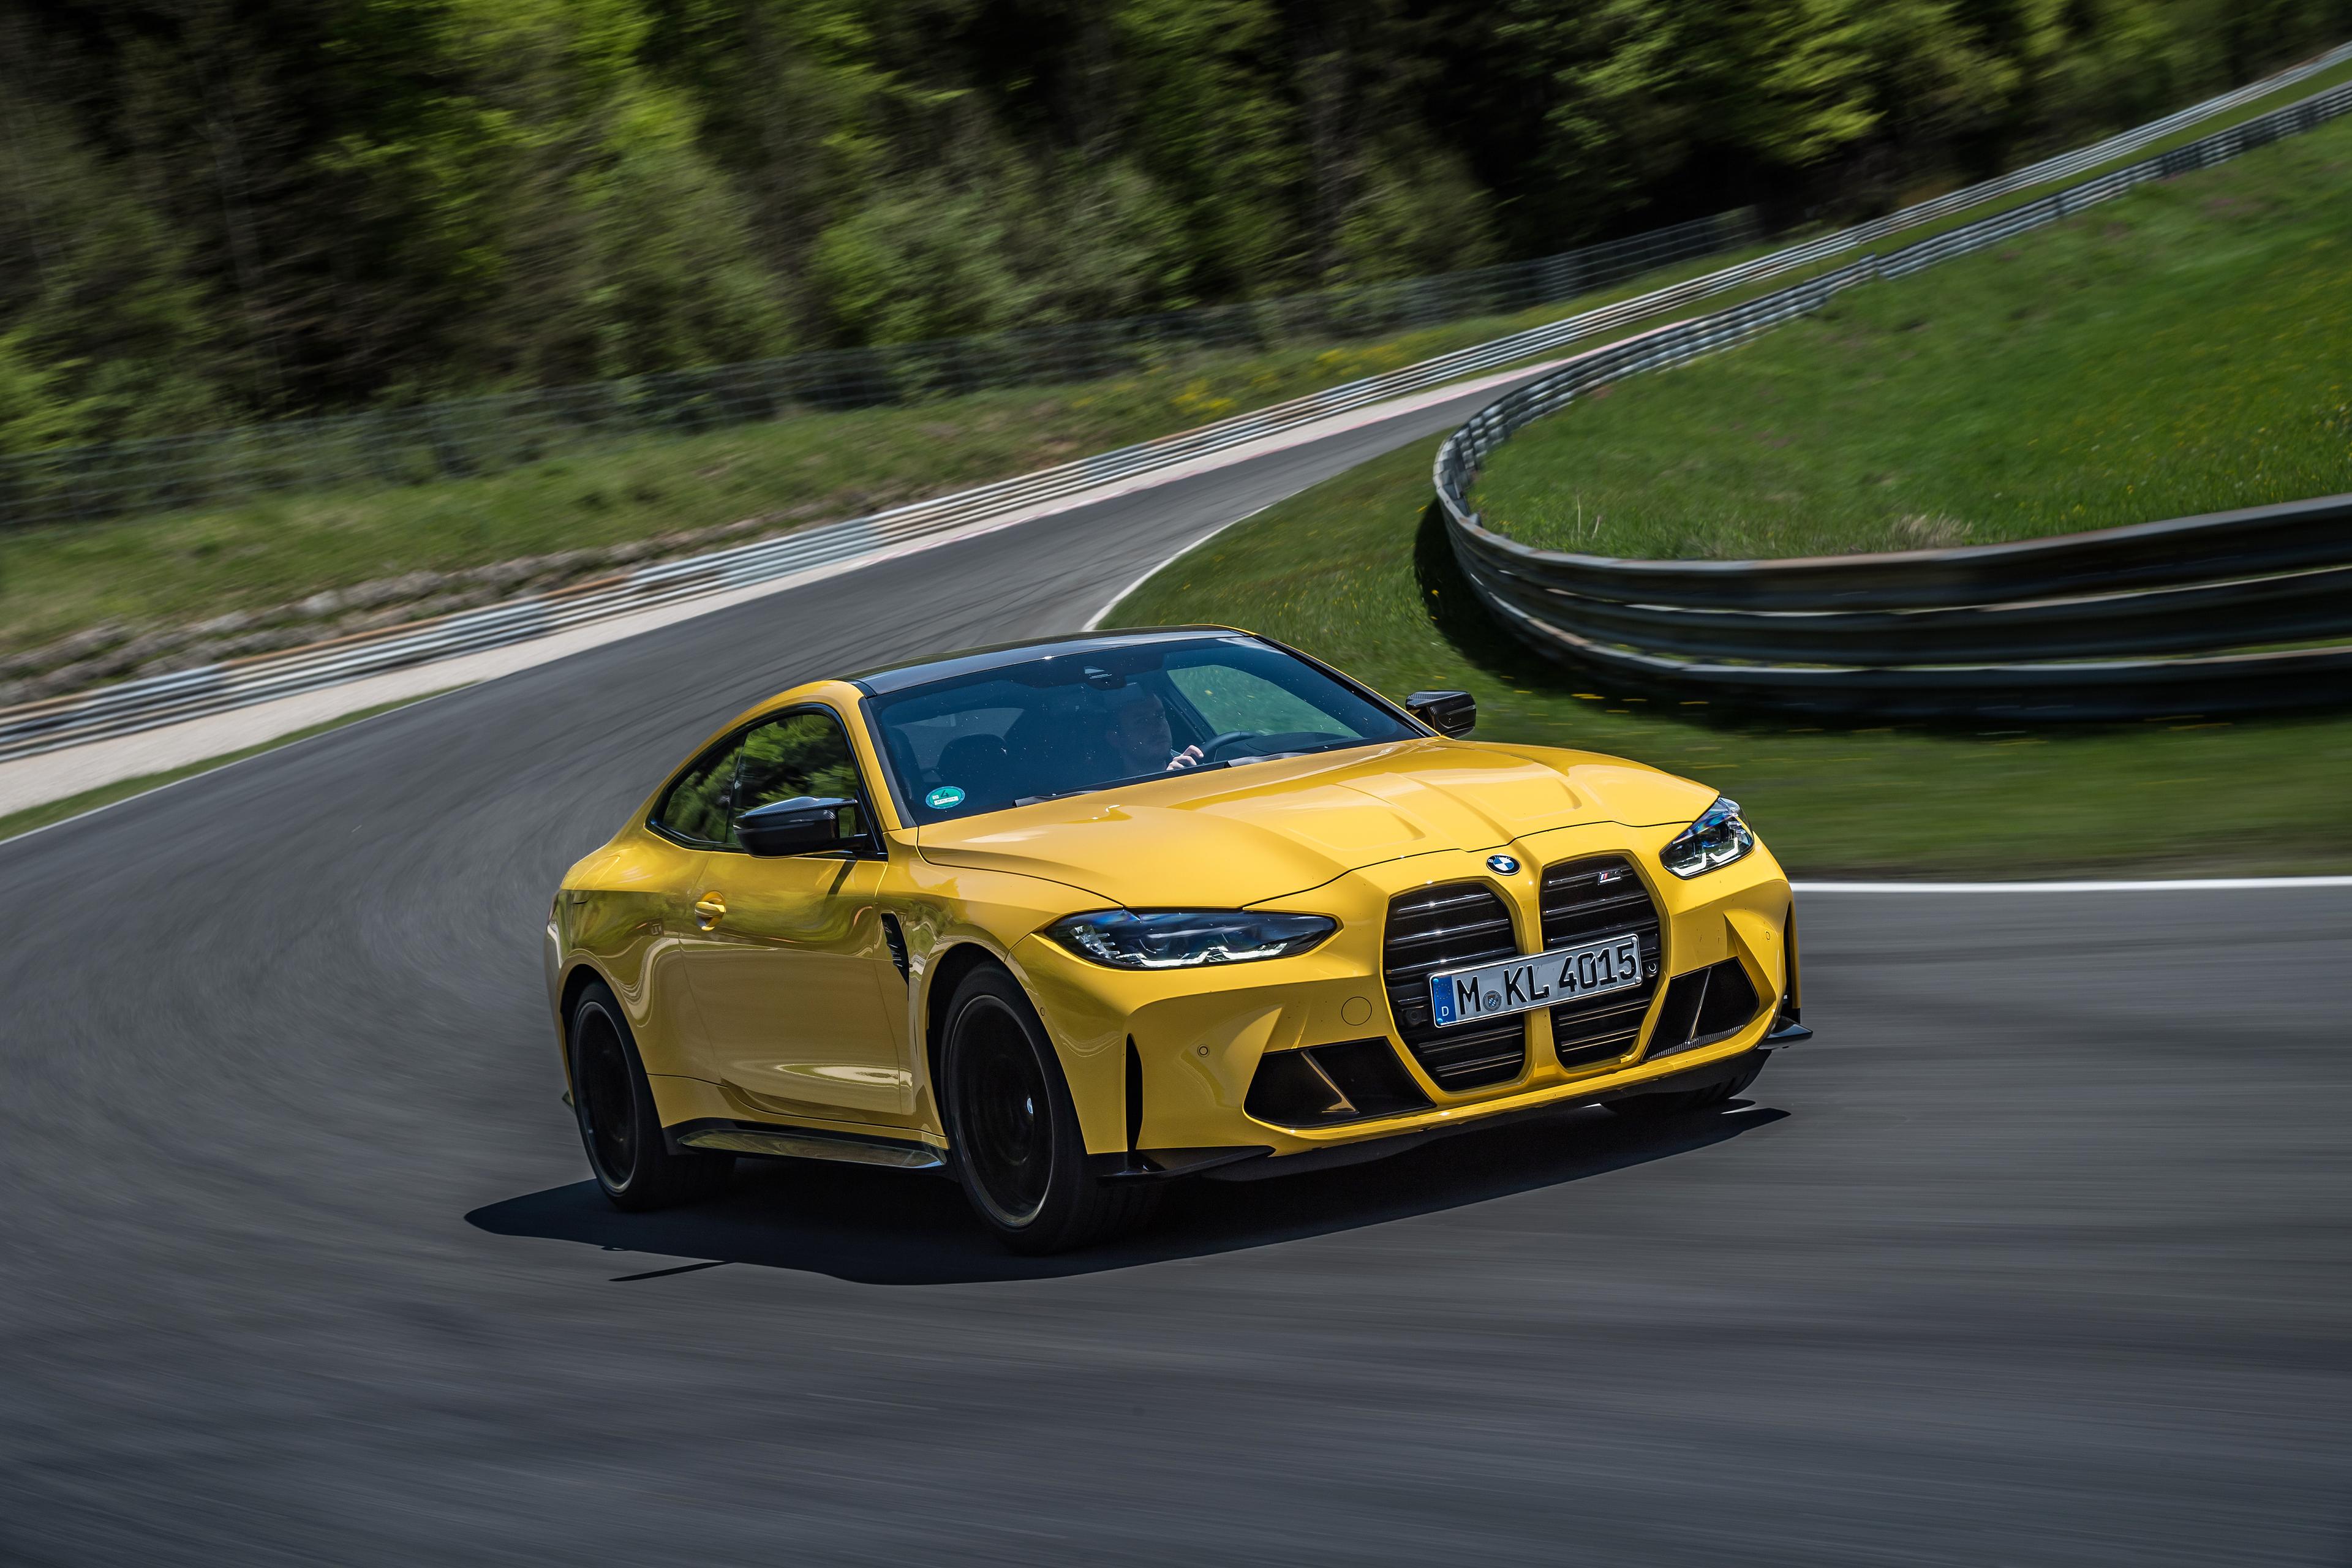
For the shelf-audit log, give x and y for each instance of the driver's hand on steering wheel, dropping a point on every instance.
(1189, 757)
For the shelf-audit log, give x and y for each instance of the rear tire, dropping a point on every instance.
(1013, 1128)
(619, 1125)
(1648, 1106)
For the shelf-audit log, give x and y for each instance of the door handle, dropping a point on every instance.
(710, 910)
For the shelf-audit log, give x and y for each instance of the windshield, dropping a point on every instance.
(1066, 724)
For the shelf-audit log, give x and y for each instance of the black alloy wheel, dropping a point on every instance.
(1013, 1130)
(1006, 1111)
(619, 1125)
(606, 1102)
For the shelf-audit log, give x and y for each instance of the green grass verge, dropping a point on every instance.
(2187, 348)
(42, 815)
(1357, 570)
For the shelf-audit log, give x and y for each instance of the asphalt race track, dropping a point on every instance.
(2038, 1254)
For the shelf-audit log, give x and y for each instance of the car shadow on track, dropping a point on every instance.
(884, 1227)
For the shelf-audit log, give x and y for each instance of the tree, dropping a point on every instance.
(215, 209)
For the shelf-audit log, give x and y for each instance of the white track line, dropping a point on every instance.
(2179, 885)
(1094, 621)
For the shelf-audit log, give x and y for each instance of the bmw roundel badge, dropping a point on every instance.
(1501, 864)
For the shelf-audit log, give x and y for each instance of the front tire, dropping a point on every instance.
(1013, 1128)
(619, 1125)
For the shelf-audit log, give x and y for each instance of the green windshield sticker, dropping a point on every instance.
(944, 797)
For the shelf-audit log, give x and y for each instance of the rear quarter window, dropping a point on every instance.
(804, 753)
(697, 806)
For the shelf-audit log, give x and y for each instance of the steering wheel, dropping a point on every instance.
(1218, 743)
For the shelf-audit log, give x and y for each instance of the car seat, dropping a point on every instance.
(981, 767)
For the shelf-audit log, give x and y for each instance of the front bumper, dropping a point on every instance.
(1685, 1077)
(1161, 1063)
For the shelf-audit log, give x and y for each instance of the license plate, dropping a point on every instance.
(1519, 985)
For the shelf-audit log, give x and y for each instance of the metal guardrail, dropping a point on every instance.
(2048, 628)
(153, 702)
(472, 436)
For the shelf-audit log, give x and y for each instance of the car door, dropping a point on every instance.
(790, 971)
(652, 905)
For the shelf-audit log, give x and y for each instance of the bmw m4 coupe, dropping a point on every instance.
(1073, 919)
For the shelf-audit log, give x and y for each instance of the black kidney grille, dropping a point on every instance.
(1448, 927)
(1585, 901)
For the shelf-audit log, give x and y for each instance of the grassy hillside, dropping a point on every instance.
(1356, 572)
(2185, 349)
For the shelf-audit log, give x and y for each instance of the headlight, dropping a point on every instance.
(1718, 839)
(1181, 939)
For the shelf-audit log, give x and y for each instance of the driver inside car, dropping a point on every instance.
(1140, 738)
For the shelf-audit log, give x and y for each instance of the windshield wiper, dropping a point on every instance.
(1198, 768)
(1132, 778)
(1297, 752)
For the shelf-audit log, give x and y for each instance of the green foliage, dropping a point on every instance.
(33, 413)
(1001, 248)
(104, 332)
(1420, 210)
(555, 215)
(2184, 349)
(1201, 98)
(676, 282)
(215, 209)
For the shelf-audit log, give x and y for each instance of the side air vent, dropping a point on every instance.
(1585, 901)
(1704, 1008)
(895, 936)
(1326, 1084)
(1447, 927)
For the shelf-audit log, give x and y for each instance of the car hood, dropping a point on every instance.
(1234, 836)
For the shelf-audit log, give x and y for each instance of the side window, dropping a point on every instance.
(802, 753)
(698, 806)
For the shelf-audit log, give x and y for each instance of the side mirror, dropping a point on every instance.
(1447, 712)
(802, 825)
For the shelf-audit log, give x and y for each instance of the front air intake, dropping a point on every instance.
(1450, 926)
(1586, 901)
(1704, 1008)
(1356, 1080)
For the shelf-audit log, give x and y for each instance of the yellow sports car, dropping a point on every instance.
(1074, 918)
